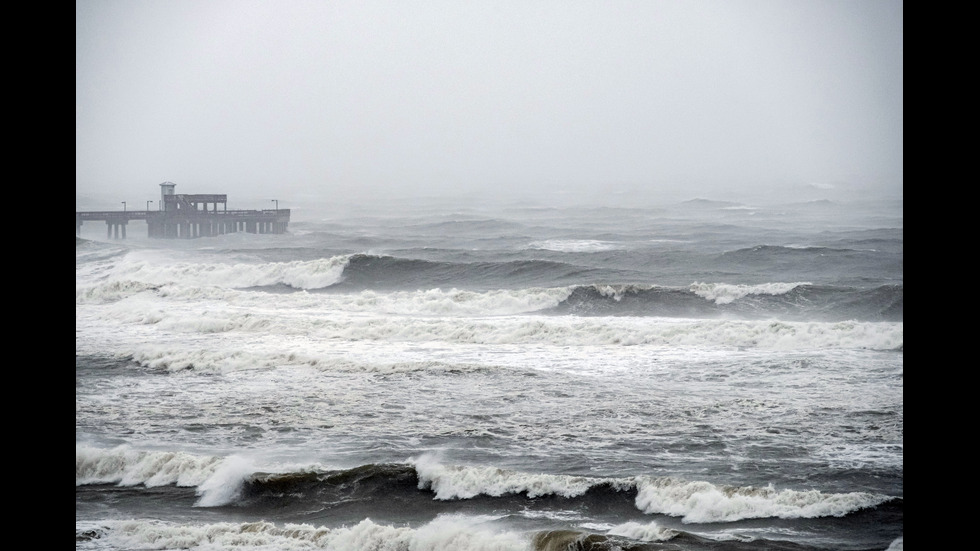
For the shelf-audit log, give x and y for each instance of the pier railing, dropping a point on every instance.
(188, 223)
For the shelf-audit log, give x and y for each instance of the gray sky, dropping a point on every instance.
(304, 100)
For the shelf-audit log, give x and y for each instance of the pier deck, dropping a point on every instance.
(188, 217)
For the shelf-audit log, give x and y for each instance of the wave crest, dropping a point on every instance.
(723, 293)
(703, 502)
(128, 467)
(445, 533)
(461, 482)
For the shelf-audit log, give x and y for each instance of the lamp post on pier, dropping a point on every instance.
(124, 206)
(148, 206)
(276, 201)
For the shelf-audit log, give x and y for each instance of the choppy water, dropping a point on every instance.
(696, 376)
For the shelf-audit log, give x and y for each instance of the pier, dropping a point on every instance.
(184, 216)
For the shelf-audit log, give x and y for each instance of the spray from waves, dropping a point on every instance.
(300, 274)
(128, 467)
(774, 300)
(305, 336)
(617, 292)
(244, 339)
(444, 533)
(421, 285)
(431, 302)
(219, 481)
(111, 291)
(376, 271)
(451, 302)
(721, 293)
(225, 485)
(650, 531)
(703, 502)
(458, 482)
(428, 302)
(269, 352)
(692, 501)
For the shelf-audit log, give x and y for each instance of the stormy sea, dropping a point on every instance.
(697, 375)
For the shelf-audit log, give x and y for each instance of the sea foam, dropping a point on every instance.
(723, 293)
(125, 466)
(702, 502)
(441, 534)
(462, 482)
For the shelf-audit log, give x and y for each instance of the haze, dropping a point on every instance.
(546, 101)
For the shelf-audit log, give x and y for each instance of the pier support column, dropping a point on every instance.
(115, 229)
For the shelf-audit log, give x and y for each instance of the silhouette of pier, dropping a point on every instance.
(184, 216)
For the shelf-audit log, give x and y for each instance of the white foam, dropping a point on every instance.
(463, 482)
(725, 293)
(454, 533)
(436, 302)
(225, 483)
(703, 502)
(125, 466)
(616, 292)
(573, 245)
(650, 531)
(148, 268)
(266, 316)
(428, 302)
(218, 480)
(231, 337)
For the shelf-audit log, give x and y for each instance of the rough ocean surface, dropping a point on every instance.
(696, 376)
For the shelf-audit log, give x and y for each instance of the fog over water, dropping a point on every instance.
(547, 102)
(557, 274)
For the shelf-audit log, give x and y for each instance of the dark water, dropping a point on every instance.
(693, 376)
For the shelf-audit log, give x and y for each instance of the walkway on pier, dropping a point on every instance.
(188, 225)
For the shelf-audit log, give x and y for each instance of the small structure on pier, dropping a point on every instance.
(184, 216)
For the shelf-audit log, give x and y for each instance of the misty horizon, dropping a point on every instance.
(547, 103)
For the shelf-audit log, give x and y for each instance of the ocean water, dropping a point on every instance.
(692, 376)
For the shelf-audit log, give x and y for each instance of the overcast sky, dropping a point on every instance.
(305, 100)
